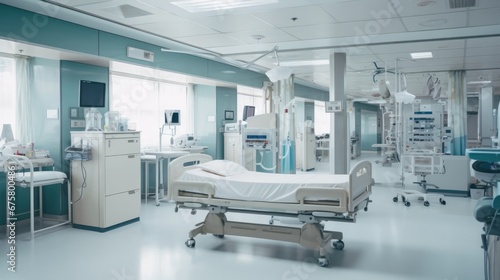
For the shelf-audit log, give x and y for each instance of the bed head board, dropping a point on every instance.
(183, 163)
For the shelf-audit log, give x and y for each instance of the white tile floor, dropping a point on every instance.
(390, 241)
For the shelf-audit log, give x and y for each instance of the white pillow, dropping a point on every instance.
(222, 167)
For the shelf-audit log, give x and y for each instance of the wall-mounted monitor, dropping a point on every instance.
(92, 94)
(248, 111)
(173, 117)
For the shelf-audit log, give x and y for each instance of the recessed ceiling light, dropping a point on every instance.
(478, 82)
(305, 62)
(433, 22)
(421, 55)
(198, 6)
(425, 3)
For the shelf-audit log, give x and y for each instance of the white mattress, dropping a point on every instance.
(267, 187)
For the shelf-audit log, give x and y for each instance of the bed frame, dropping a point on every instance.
(313, 206)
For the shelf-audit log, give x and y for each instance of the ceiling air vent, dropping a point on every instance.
(127, 11)
(457, 4)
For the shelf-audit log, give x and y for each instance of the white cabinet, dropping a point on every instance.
(106, 189)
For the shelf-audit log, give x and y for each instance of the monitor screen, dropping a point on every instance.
(173, 117)
(248, 111)
(92, 94)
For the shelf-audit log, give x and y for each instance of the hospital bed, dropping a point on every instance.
(198, 182)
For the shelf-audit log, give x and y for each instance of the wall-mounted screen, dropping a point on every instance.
(248, 111)
(92, 94)
(173, 117)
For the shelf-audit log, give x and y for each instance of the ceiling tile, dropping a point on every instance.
(483, 59)
(484, 17)
(232, 23)
(176, 29)
(361, 10)
(491, 51)
(270, 35)
(210, 41)
(418, 46)
(413, 8)
(444, 21)
(349, 29)
(483, 42)
(306, 15)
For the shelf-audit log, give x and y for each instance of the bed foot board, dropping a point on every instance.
(311, 235)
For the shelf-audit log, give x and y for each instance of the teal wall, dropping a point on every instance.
(205, 107)
(226, 99)
(71, 74)
(212, 102)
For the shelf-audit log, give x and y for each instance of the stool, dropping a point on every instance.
(147, 160)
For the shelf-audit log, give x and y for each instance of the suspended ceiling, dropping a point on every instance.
(384, 32)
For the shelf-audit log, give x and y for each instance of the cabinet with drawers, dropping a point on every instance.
(106, 188)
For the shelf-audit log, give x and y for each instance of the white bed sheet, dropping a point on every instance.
(266, 187)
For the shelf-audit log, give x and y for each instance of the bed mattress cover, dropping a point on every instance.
(264, 187)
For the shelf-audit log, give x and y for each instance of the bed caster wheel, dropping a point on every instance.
(339, 245)
(395, 199)
(176, 209)
(271, 221)
(403, 198)
(219, 235)
(157, 204)
(190, 243)
(442, 201)
(193, 211)
(323, 262)
(407, 203)
(426, 203)
(366, 208)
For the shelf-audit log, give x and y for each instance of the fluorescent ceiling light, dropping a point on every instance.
(421, 55)
(378, 101)
(478, 82)
(305, 62)
(198, 6)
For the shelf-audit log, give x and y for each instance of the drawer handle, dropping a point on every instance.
(131, 192)
(131, 156)
(131, 141)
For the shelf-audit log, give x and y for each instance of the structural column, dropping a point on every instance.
(339, 129)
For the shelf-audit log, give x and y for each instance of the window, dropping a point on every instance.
(7, 92)
(142, 95)
(250, 97)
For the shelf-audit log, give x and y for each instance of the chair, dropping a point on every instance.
(26, 177)
(421, 164)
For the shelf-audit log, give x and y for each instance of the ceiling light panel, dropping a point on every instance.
(199, 6)
(421, 55)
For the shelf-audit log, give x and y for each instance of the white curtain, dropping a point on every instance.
(24, 120)
(457, 110)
